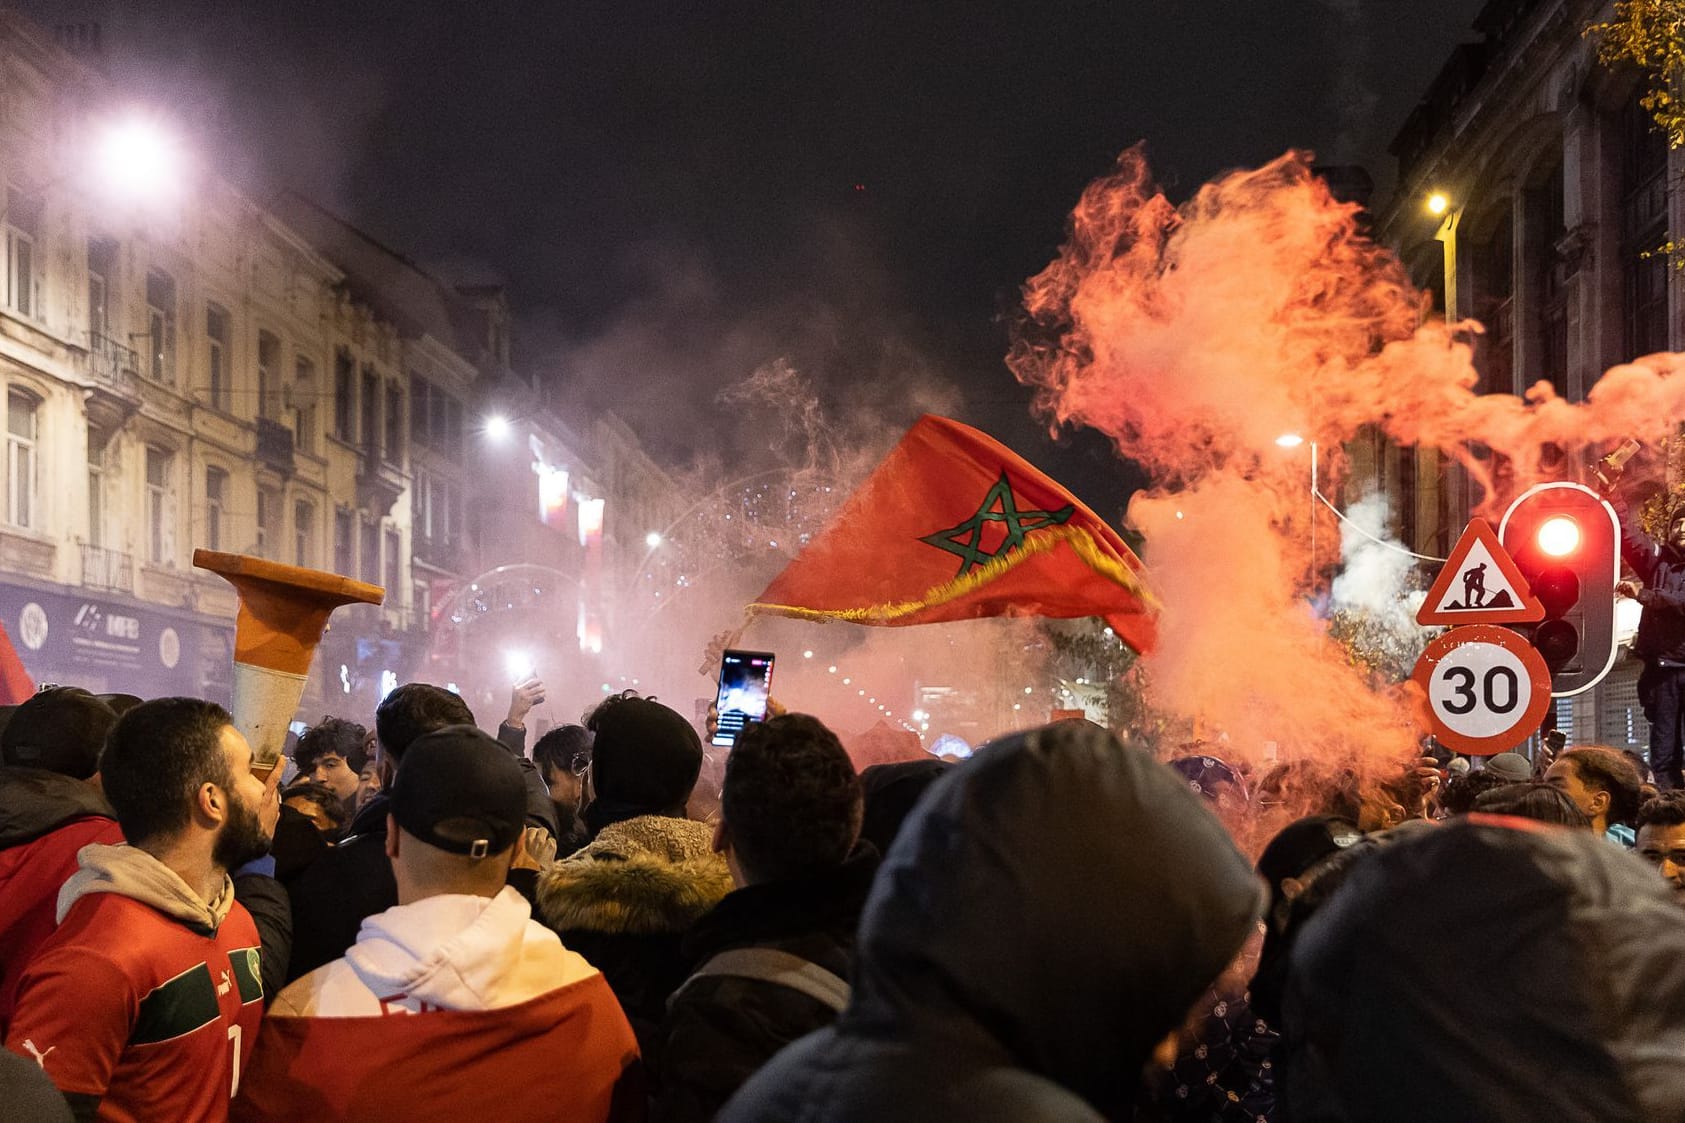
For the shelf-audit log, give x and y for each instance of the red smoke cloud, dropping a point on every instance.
(1194, 336)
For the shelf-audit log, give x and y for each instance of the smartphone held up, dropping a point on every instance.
(745, 686)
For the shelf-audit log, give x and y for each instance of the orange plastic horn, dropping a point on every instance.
(284, 610)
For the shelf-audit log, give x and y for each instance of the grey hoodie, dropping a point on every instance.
(131, 872)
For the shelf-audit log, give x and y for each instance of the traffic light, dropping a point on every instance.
(1566, 542)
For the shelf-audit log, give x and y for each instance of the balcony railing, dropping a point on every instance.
(275, 445)
(379, 484)
(109, 570)
(438, 552)
(110, 361)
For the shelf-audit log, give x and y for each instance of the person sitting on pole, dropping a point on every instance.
(1660, 587)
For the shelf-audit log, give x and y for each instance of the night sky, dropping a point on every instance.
(677, 193)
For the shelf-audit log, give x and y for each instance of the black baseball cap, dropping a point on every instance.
(1302, 844)
(61, 729)
(461, 791)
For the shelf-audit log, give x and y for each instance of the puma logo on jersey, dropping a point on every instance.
(40, 1057)
(225, 986)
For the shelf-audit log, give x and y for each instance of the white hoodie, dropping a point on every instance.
(451, 952)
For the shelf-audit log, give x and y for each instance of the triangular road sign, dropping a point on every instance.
(1480, 584)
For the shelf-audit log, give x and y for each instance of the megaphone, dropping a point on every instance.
(284, 610)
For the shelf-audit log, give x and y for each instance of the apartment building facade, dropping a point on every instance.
(199, 368)
(161, 359)
(1553, 192)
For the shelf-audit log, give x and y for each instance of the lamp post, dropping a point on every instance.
(1294, 440)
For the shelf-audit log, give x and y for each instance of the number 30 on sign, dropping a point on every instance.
(1487, 689)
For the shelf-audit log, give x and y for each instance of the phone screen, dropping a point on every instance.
(745, 684)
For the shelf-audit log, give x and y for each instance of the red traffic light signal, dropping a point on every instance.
(1566, 542)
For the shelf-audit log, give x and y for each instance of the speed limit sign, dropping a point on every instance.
(1487, 688)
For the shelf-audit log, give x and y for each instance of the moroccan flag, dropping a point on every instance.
(952, 526)
(15, 683)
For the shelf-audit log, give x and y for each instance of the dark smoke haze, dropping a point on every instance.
(771, 236)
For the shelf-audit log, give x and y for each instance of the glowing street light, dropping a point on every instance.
(1289, 440)
(652, 539)
(497, 427)
(1438, 203)
(137, 158)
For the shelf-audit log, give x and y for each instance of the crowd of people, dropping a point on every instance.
(414, 919)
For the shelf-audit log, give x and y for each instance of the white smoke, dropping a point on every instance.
(1377, 580)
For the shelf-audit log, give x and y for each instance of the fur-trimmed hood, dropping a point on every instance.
(647, 875)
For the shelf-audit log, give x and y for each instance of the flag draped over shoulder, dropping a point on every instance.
(953, 526)
(15, 683)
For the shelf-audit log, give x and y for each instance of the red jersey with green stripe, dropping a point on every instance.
(149, 1015)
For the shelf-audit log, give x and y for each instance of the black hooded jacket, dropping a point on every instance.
(720, 1029)
(1048, 913)
(1497, 970)
(35, 802)
(332, 895)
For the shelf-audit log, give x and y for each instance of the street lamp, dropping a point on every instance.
(497, 427)
(652, 539)
(1294, 440)
(137, 157)
(134, 159)
(1438, 203)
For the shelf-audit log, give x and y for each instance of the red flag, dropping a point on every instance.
(953, 526)
(15, 683)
